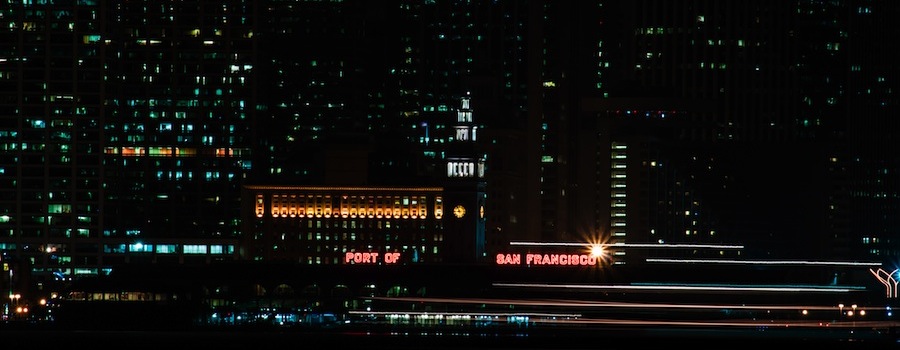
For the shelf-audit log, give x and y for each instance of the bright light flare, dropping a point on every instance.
(597, 250)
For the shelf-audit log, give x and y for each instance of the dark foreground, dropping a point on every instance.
(610, 338)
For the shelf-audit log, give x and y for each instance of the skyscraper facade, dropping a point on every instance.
(864, 90)
(743, 123)
(127, 131)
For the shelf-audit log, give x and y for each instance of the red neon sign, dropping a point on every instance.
(371, 258)
(547, 259)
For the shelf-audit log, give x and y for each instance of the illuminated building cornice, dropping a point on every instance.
(352, 202)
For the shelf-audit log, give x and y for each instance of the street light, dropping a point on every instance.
(14, 302)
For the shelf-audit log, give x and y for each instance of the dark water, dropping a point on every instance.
(594, 338)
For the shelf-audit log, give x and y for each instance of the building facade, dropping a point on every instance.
(358, 225)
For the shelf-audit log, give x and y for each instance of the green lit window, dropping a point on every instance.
(59, 208)
(166, 248)
(195, 249)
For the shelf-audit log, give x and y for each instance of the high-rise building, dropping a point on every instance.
(700, 132)
(127, 131)
(181, 106)
(864, 90)
(52, 121)
(322, 96)
(738, 122)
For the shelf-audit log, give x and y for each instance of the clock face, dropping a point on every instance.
(459, 211)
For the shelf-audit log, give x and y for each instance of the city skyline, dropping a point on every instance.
(129, 132)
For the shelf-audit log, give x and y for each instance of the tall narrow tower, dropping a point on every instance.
(464, 194)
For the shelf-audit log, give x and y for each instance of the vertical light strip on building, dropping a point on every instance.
(617, 220)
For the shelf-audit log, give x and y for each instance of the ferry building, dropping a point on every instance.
(364, 225)
(372, 225)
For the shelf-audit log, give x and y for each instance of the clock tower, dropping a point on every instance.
(464, 190)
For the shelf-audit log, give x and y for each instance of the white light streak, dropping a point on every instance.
(596, 304)
(463, 314)
(737, 288)
(825, 318)
(629, 245)
(762, 262)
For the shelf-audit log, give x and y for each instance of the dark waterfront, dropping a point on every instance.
(539, 310)
(557, 338)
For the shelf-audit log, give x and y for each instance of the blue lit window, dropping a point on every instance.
(114, 248)
(140, 248)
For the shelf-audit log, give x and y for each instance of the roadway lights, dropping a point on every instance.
(852, 310)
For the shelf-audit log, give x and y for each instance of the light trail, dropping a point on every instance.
(731, 323)
(746, 288)
(574, 320)
(696, 261)
(462, 314)
(617, 304)
(762, 262)
(562, 318)
(628, 245)
(592, 314)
